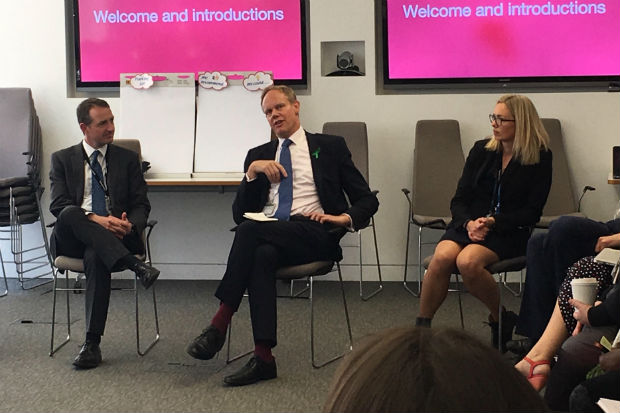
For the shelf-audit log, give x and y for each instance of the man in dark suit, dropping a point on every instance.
(99, 200)
(301, 179)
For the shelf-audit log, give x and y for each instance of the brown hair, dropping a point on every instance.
(286, 90)
(411, 369)
(83, 109)
(530, 134)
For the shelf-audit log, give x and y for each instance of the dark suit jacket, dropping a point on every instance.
(334, 176)
(524, 190)
(125, 181)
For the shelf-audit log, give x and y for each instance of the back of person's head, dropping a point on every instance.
(411, 369)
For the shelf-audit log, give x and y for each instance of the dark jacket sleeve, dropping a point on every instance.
(608, 312)
(536, 183)
(459, 206)
(251, 196)
(60, 194)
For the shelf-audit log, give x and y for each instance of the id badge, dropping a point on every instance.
(108, 204)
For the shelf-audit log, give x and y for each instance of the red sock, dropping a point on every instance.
(263, 351)
(221, 319)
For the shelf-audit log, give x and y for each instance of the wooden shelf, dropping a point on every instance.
(206, 180)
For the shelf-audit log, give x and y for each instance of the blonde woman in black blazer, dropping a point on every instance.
(499, 197)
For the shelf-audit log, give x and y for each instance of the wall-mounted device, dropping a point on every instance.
(344, 62)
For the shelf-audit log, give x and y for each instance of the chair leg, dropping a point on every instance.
(55, 289)
(156, 339)
(238, 356)
(500, 324)
(405, 286)
(20, 254)
(515, 293)
(298, 294)
(6, 284)
(315, 364)
(380, 288)
(458, 291)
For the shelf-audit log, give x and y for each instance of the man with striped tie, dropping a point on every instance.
(303, 180)
(99, 200)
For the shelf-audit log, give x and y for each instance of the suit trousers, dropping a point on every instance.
(258, 250)
(548, 257)
(76, 236)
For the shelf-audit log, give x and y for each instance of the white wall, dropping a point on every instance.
(193, 238)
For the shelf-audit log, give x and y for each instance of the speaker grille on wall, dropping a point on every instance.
(616, 162)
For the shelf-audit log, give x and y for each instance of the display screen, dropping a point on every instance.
(172, 36)
(488, 40)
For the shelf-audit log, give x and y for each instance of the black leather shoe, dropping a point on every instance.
(255, 370)
(209, 342)
(520, 347)
(147, 274)
(89, 356)
(509, 321)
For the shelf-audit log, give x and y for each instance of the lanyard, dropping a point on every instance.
(98, 178)
(497, 194)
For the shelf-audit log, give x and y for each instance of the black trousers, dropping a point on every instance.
(258, 250)
(576, 357)
(76, 236)
(584, 397)
(548, 257)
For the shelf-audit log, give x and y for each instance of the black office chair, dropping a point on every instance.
(437, 165)
(356, 137)
(309, 272)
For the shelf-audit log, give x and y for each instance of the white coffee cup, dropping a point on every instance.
(584, 289)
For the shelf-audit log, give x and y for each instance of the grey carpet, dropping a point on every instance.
(167, 379)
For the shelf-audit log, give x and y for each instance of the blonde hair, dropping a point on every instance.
(530, 134)
(286, 90)
(414, 369)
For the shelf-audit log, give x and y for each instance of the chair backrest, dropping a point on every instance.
(356, 137)
(134, 145)
(437, 166)
(561, 198)
(20, 137)
(131, 144)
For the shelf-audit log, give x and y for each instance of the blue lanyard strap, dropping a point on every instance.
(497, 194)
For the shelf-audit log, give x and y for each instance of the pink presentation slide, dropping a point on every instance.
(122, 36)
(519, 38)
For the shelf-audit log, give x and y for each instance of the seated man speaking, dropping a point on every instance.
(99, 200)
(301, 179)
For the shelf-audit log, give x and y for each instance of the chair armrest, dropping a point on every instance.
(407, 192)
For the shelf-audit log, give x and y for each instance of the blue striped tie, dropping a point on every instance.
(285, 191)
(97, 191)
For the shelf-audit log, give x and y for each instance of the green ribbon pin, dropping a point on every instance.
(316, 153)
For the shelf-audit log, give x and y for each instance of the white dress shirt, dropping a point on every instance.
(305, 196)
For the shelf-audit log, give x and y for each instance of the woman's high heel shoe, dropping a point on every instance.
(539, 380)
